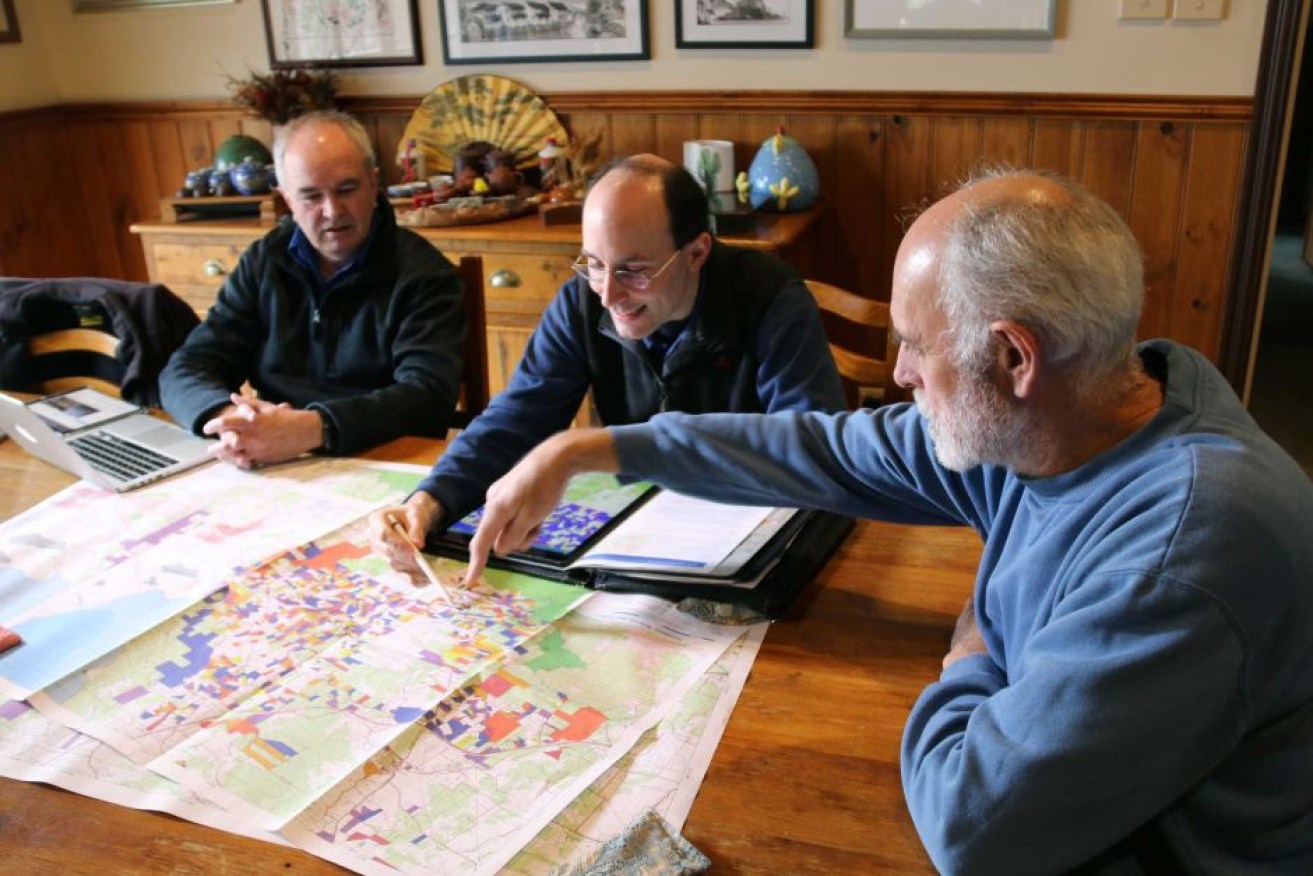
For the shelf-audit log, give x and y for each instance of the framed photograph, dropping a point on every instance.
(744, 24)
(115, 5)
(482, 31)
(9, 32)
(330, 33)
(951, 19)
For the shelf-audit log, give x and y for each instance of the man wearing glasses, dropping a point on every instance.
(660, 317)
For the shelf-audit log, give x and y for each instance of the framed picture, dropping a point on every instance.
(744, 24)
(330, 33)
(9, 32)
(114, 5)
(480, 31)
(950, 19)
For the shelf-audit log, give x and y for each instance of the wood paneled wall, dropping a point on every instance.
(74, 177)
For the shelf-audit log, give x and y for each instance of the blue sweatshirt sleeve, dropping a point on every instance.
(871, 463)
(1039, 768)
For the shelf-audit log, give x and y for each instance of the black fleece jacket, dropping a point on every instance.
(379, 352)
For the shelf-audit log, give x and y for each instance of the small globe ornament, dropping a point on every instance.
(782, 177)
(232, 151)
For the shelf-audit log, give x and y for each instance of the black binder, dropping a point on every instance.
(768, 582)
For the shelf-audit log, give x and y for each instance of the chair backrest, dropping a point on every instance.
(474, 381)
(61, 332)
(71, 358)
(863, 349)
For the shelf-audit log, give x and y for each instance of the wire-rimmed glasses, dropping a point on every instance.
(633, 281)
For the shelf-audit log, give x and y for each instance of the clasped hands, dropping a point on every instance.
(253, 432)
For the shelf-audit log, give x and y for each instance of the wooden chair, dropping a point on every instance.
(71, 358)
(474, 380)
(862, 344)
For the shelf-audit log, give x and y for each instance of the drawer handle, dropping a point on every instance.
(214, 268)
(504, 279)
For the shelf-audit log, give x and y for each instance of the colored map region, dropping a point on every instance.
(34, 748)
(482, 774)
(315, 690)
(661, 773)
(86, 570)
(591, 501)
(299, 670)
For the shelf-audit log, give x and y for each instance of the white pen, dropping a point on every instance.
(418, 556)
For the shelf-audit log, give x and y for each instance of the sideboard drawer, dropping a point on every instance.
(196, 265)
(516, 284)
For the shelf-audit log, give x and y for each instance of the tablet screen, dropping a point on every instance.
(592, 502)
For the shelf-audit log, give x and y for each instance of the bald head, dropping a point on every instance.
(663, 186)
(1036, 248)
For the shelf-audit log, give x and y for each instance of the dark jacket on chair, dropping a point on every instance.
(149, 321)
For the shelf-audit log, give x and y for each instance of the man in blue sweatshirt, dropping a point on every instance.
(660, 316)
(1130, 688)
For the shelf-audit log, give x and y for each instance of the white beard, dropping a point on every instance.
(976, 426)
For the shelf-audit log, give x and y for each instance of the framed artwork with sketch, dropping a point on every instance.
(514, 31)
(326, 33)
(744, 24)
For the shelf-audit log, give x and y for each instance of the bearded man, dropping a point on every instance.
(1130, 687)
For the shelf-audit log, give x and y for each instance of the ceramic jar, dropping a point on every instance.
(250, 178)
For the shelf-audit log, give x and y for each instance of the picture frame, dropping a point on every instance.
(478, 32)
(379, 33)
(989, 19)
(9, 32)
(116, 5)
(745, 24)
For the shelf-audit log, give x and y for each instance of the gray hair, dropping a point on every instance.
(352, 128)
(1067, 268)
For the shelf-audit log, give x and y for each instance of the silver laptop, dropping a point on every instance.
(120, 454)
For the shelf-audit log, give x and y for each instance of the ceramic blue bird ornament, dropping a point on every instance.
(782, 176)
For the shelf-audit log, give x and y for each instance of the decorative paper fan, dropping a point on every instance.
(494, 109)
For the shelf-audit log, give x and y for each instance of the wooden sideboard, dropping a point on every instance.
(524, 263)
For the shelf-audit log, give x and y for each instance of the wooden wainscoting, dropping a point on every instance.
(75, 177)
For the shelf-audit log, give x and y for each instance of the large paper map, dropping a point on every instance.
(315, 692)
(661, 773)
(86, 570)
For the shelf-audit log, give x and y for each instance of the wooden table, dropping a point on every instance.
(805, 779)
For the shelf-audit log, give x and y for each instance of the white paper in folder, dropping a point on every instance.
(680, 534)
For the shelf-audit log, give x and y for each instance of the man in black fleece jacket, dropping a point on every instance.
(349, 328)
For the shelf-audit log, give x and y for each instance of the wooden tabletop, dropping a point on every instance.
(805, 779)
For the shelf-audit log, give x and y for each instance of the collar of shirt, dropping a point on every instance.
(300, 248)
(659, 344)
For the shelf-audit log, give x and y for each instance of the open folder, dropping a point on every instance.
(635, 537)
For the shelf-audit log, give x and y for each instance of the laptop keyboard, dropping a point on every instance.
(118, 458)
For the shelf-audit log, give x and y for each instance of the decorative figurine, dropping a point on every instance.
(782, 177)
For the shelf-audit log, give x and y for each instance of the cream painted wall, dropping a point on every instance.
(26, 75)
(186, 52)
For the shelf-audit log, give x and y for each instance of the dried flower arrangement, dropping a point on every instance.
(281, 95)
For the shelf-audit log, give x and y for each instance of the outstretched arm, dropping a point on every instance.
(519, 502)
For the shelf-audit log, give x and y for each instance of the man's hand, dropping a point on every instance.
(517, 504)
(414, 518)
(252, 432)
(966, 636)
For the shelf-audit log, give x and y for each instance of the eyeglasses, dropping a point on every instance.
(634, 281)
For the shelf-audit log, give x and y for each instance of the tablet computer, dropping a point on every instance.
(593, 504)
